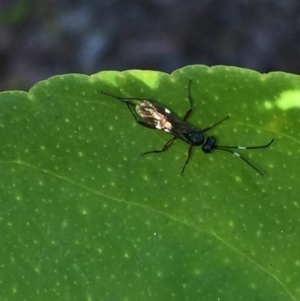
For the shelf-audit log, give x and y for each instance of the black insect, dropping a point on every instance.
(149, 113)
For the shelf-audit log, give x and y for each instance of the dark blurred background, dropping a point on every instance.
(39, 38)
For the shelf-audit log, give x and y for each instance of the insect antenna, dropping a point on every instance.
(228, 149)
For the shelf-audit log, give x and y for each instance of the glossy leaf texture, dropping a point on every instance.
(85, 217)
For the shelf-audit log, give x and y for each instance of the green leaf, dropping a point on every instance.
(85, 217)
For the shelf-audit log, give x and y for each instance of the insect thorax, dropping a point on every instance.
(195, 137)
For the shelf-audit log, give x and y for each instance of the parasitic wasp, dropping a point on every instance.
(149, 113)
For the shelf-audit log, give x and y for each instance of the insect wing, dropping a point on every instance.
(164, 119)
(153, 113)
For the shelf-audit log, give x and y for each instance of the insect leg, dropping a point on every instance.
(123, 99)
(189, 112)
(165, 147)
(187, 159)
(215, 124)
(128, 100)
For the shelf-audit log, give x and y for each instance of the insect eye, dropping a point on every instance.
(209, 144)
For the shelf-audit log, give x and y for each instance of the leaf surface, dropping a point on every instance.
(85, 217)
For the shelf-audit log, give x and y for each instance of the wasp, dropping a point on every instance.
(151, 114)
